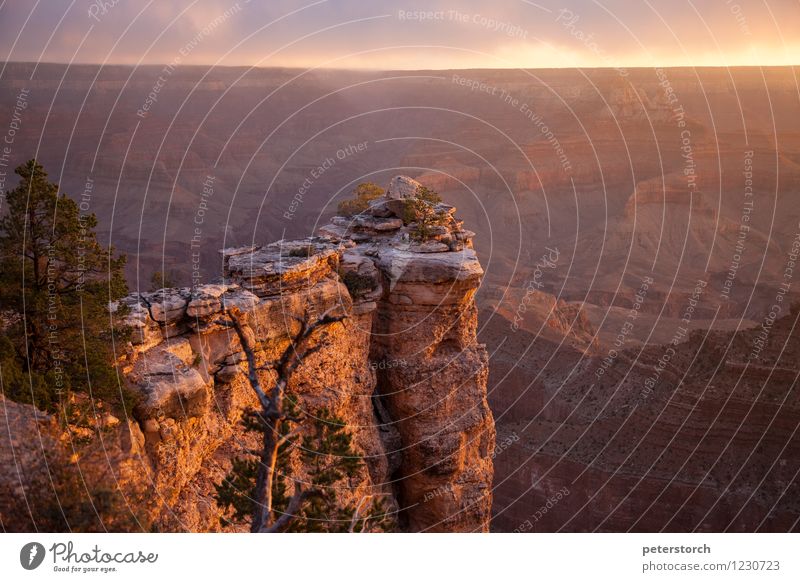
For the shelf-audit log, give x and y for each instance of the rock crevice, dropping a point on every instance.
(403, 370)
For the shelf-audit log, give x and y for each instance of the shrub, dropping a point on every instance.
(427, 219)
(363, 194)
(410, 210)
(428, 195)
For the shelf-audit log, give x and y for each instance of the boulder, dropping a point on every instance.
(167, 384)
(167, 306)
(402, 187)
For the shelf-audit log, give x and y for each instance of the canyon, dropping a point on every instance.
(402, 370)
(667, 179)
(697, 436)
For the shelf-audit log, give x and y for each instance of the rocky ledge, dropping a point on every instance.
(403, 369)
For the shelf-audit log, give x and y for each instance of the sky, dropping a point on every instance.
(381, 34)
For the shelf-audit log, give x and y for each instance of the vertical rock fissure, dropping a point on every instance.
(408, 374)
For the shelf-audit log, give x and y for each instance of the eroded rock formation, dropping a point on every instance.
(403, 369)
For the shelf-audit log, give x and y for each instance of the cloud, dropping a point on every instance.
(403, 34)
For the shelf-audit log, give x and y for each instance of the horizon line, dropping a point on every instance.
(375, 70)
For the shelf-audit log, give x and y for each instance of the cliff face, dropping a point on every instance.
(403, 369)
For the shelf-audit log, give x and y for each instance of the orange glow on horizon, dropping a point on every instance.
(517, 56)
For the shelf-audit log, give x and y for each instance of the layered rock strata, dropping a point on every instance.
(403, 369)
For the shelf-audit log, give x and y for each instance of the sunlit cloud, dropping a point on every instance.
(405, 35)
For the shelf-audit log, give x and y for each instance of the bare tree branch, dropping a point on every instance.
(252, 374)
(287, 436)
(272, 416)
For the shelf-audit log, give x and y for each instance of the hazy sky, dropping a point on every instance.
(403, 34)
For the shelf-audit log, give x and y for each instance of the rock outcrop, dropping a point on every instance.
(403, 369)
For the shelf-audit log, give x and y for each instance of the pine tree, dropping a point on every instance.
(56, 284)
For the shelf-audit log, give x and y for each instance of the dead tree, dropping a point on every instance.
(271, 413)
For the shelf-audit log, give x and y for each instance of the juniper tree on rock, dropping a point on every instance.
(422, 209)
(256, 488)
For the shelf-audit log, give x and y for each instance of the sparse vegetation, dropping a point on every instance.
(409, 211)
(420, 210)
(363, 194)
(330, 459)
(163, 280)
(426, 215)
(255, 489)
(428, 195)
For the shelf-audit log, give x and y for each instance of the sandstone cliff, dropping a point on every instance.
(403, 369)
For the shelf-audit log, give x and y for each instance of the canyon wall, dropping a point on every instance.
(403, 369)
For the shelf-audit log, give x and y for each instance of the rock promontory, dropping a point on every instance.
(402, 368)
